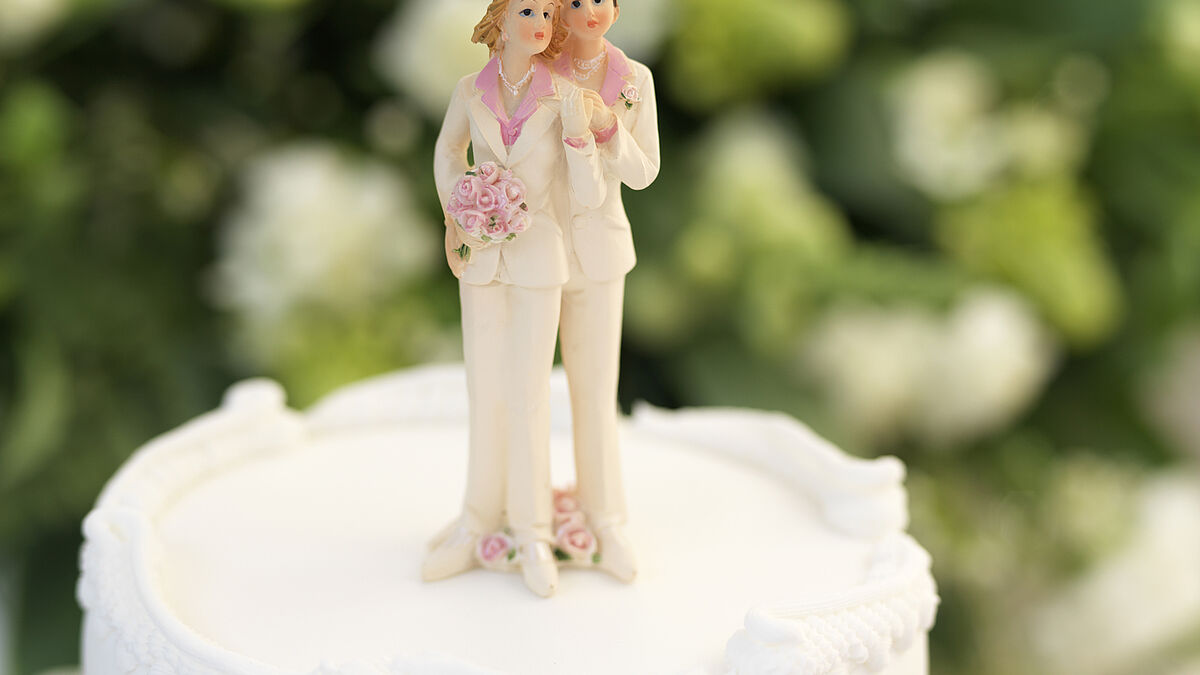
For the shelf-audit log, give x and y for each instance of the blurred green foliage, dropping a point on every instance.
(830, 167)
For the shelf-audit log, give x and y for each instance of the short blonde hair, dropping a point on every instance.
(487, 31)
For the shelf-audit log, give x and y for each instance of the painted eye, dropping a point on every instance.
(576, 4)
(527, 12)
(597, 2)
(546, 15)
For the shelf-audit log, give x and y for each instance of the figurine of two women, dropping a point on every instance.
(559, 118)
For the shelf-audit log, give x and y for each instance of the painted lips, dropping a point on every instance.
(539, 35)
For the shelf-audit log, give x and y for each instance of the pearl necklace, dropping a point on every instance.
(515, 89)
(585, 68)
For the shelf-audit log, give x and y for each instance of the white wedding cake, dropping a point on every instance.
(258, 540)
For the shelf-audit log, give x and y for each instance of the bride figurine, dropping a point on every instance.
(535, 160)
(600, 254)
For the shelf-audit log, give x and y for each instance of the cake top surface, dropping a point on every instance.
(261, 540)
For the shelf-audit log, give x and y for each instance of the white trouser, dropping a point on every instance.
(508, 346)
(590, 342)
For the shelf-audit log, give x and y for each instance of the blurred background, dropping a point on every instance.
(964, 232)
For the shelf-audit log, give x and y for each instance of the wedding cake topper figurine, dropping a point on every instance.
(537, 236)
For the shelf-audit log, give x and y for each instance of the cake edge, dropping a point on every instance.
(895, 604)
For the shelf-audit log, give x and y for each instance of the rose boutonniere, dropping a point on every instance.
(630, 95)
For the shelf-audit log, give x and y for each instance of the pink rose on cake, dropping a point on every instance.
(572, 518)
(496, 549)
(576, 541)
(565, 501)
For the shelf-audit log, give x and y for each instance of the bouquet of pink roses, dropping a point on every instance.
(489, 205)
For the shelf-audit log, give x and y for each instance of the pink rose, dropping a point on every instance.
(455, 206)
(565, 502)
(496, 228)
(473, 221)
(515, 220)
(488, 172)
(506, 175)
(570, 519)
(576, 542)
(493, 548)
(514, 190)
(518, 222)
(467, 189)
(631, 94)
(491, 198)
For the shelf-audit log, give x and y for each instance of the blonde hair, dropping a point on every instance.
(487, 31)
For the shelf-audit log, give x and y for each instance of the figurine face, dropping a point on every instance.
(590, 19)
(530, 24)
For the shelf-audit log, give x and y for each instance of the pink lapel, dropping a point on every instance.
(512, 129)
(618, 70)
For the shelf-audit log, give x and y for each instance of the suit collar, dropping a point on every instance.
(488, 83)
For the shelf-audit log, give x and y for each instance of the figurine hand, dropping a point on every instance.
(575, 114)
(457, 257)
(453, 242)
(602, 116)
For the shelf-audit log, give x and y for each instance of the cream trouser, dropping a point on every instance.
(509, 334)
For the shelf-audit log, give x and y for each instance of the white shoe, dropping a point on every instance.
(453, 553)
(616, 553)
(539, 568)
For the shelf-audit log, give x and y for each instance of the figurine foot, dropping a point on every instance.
(539, 568)
(453, 553)
(443, 534)
(616, 553)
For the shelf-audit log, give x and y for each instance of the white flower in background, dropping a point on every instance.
(1170, 396)
(642, 28)
(1081, 83)
(22, 21)
(947, 141)
(1091, 502)
(1041, 140)
(888, 371)
(1137, 601)
(868, 361)
(752, 178)
(426, 48)
(1179, 26)
(316, 226)
(992, 360)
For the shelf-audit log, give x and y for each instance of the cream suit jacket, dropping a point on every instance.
(555, 174)
(602, 237)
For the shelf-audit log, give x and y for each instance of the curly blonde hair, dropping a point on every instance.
(487, 31)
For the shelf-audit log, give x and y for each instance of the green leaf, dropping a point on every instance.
(561, 554)
(512, 553)
(595, 558)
